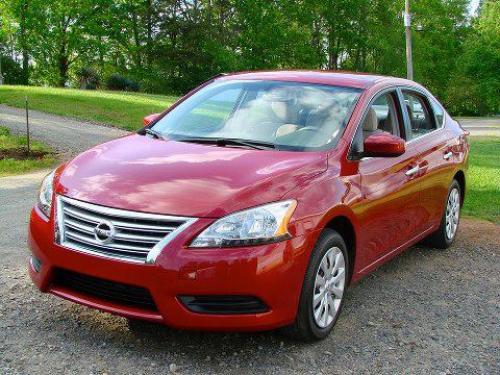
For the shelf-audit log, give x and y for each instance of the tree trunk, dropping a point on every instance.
(63, 70)
(24, 41)
(137, 42)
(149, 32)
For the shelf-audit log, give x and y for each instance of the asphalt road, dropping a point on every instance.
(427, 311)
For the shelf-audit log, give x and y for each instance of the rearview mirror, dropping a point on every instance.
(383, 145)
(150, 118)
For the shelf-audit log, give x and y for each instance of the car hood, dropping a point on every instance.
(176, 178)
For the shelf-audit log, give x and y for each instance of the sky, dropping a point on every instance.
(473, 6)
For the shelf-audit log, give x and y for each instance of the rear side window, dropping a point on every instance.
(438, 112)
(421, 120)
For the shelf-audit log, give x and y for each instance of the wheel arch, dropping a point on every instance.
(343, 225)
(460, 177)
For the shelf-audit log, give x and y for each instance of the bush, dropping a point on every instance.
(121, 83)
(88, 78)
(4, 131)
(12, 71)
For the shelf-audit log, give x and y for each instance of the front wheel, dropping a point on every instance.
(323, 289)
(447, 231)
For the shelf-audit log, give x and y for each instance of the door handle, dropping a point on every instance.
(412, 171)
(448, 155)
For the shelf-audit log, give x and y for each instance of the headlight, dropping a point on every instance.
(255, 226)
(45, 196)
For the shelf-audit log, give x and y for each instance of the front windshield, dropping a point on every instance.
(288, 115)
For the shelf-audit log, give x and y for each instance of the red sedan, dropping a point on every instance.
(253, 202)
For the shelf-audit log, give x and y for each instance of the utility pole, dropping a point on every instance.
(407, 23)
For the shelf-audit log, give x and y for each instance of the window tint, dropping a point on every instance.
(438, 112)
(382, 116)
(421, 121)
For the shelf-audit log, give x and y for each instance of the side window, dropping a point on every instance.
(421, 121)
(387, 118)
(383, 115)
(438, 112)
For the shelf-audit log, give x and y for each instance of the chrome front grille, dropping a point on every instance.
(116, 233)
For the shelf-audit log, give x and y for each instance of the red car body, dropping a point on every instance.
(372, 202)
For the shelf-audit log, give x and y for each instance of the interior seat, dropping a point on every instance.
(287, 114)
(370, 125)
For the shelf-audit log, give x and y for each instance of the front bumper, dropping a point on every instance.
(273, 273)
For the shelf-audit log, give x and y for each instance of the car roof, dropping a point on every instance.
(326, 77)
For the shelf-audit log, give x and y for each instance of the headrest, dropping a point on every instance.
(371, 121)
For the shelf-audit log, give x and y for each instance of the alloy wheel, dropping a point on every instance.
(452, 213)
(329, 287)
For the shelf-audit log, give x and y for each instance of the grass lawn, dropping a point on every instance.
(121, 109)
(483, 179)
(12, 154)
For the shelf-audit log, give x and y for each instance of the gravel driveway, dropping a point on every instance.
(66, 135)
(427, 311)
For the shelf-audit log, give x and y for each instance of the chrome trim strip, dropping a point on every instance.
(122, 213)
(92, 242)
(156, 250)
(79, 230)
(117, 223)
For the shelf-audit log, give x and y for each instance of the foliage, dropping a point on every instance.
(476, 83)
(172, 45)
(88, 78)
(11, 71)
(118, 82)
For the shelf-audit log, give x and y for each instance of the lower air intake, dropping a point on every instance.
(123, 294)
(223, 304)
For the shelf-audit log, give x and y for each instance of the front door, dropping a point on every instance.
(391, 214)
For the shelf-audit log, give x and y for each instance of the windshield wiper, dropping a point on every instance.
(223, 142)
(153, 133)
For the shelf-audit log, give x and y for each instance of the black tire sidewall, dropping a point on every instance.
(328, 239)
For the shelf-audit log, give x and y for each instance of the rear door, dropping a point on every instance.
(391, 214)
(424, 122)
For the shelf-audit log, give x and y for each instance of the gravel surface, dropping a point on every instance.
(426, 311)
(67, 136)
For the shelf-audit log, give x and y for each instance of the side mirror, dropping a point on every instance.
(383, 145)
(150, 118)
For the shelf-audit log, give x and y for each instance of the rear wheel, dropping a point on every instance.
(447, 231)
(323, 289)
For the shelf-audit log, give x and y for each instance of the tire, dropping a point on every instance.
(442, 239)
(306, 326)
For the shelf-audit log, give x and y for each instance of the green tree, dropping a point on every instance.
(475, 85)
